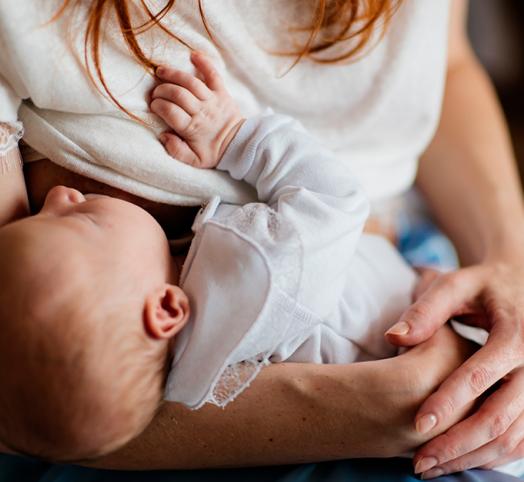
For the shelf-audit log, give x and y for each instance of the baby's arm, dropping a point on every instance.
(310, 190)
(13, 193)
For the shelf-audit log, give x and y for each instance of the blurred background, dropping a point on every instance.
(497, 32)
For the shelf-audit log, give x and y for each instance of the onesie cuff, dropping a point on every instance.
(238, 157)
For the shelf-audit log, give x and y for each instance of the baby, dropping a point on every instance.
(100, 314)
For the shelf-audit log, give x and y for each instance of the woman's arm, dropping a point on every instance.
(301, 413)
(468, 175)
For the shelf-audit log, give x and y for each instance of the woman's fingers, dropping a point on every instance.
(466, 384)
(504, 455)
(178, 149)
(447, 296)
(204, 65)
(426, 278)
(482, 437)
(183, 79)
(173, 115)
(506, 448)
(177, 95)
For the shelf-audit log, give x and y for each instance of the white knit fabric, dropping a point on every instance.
(377, 114)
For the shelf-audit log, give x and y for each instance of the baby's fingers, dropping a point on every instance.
(177, 95)
(173, 115)
(185, 80)
(204, 65)
(179, 149)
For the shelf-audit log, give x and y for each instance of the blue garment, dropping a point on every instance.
(18, 469)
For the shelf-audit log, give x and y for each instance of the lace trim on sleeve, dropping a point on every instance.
(235, 379)
(10, 134)
(283, 250)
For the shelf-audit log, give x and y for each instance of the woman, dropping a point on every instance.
(379, 112)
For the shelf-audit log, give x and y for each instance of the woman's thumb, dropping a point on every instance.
(416, 325)
(433, 308)
(448, 295)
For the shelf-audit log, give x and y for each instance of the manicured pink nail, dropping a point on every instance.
(425, 464)
(401, 328)
(432, 474)
(426, 423)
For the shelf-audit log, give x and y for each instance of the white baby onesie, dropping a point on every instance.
(290, 277)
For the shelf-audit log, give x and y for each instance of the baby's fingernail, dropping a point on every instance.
(401, 328)
(432, 474)
(162, 138)
(426, 423)
(425, 464)
(160, 70)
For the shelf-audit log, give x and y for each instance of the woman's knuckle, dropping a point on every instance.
(498, 425)
(479, 380)
(448, 280)
(451, 452)
(448, 407)
(507, 444)
(458, 466)
(420, 310)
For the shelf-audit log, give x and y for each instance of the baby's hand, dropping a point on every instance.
(202, 114)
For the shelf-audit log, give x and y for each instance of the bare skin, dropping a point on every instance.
(296, 413)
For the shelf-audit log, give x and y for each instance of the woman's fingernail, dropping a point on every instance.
(426, 423)
(401, 328)
(432, 474)
(425, 464)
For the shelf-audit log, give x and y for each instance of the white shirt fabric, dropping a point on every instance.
(290, 277)
(377, 113)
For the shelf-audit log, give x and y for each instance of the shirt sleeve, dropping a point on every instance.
(11, 86)
(11, 130)
(310, 191)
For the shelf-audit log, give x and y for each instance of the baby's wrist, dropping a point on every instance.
(232, 132)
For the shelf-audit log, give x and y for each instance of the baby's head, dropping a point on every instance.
(87, 311)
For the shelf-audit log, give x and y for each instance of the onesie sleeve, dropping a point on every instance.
(308, 191)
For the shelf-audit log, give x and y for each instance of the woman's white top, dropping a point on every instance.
(377, 113)
(288, 278)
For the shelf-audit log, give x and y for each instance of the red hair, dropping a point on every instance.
(333, 22)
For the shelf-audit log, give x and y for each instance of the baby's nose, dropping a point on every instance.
(64, 196)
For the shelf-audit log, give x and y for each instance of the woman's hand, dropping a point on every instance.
(490, 296)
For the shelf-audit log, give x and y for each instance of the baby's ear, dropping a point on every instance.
(166, 311)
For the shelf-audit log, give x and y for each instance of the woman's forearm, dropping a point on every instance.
(292, 413)
(301, 413)
(468, 174)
